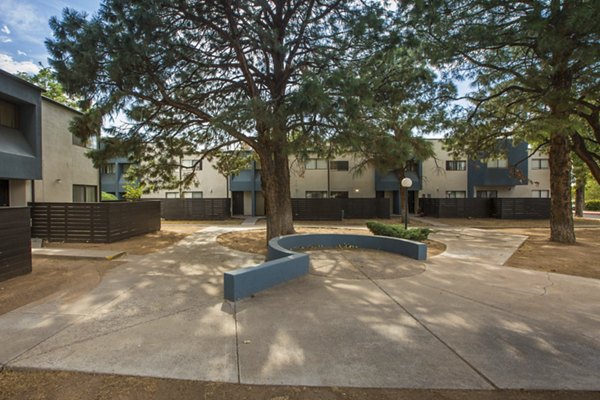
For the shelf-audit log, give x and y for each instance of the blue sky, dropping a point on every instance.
(24, 28)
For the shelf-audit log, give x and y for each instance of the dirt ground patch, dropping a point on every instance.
(75, 385)
(67, 278)
(138, 245)
(540, 254)
(254, 241)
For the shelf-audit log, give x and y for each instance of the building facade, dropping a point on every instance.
(20, 139)
(519, 174)
(40, 160)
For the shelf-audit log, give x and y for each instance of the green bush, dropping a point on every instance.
(398, 231)
(592, 205)
(108, 197)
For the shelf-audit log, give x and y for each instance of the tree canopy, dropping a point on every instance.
(197, 76)
(535, 67)
(47, 80)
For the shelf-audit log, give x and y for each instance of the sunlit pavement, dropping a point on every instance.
(458, 320)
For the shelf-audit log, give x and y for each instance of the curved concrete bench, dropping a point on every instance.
(284, 264)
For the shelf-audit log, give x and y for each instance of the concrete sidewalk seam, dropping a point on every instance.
(237, 343)
(464, 360)
(94, 337)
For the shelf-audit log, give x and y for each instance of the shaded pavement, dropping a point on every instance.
(458, 320)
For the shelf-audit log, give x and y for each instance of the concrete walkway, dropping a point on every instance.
(458, 320)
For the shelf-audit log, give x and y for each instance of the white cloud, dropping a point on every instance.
(5, 39)
(21, 53)
(25, 20)
(12, 66)
(5, 29)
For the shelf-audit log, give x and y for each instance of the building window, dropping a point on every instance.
(539, 163)
(540, 193)
(338, 165)
(487, 194)
(9, 115)
(456, 194)
(190, 164)
(192, 195)
(84, 194)
(172, 195)
(339, 195)
(89, 143)
(498, 163)
(108, 168)
(316, 194)
(125, 168)
(411, 166)
(316, 163)
(456, 165)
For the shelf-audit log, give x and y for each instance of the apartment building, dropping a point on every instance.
(519, 174)
(40, 160)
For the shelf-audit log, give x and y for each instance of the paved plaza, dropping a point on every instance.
(361, 318)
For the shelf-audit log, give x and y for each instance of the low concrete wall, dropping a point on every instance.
(285, 264)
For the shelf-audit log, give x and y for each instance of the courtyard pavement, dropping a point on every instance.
(365, 319)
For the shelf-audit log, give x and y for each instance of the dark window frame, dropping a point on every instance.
(85, 193)
(456, 165)
(335, 165)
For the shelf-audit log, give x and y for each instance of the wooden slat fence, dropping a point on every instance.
(456, 208)
(502, 208)
(337, 209)
(196, 209)
(93, 222)
(15, 242)
(521, 208)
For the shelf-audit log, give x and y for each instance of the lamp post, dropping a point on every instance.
(406, 183)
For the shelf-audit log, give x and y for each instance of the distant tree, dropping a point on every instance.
(47, 80)
(192, 76)
(535, 67)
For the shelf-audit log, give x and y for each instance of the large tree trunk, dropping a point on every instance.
(561, 218)
(275, 179)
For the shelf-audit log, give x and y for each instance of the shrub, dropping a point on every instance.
(398, 231)
(108, 197)
(592, 205)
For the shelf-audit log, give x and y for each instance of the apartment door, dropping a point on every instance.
(4, 193)
(237, 200)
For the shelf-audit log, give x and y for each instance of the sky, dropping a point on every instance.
(24, 28)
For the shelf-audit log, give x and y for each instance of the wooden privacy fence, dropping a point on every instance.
(15, 242)
(206, 209)
(337, 209)
(456, 208)
(502, 208)
(93, 222)
(521, 208)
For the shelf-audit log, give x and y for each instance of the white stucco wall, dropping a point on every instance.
(436, 180)
(19, 192)
(63, 163)
(208, 181)
(357, 185)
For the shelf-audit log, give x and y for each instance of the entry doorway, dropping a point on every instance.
(4, 193)
(237, 203)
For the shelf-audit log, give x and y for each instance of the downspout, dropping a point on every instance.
(32, 192)
(254, 188)
(118, 179)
